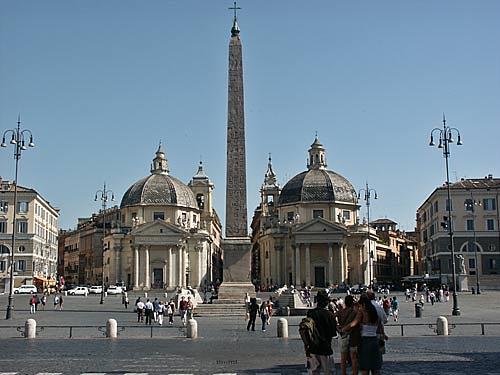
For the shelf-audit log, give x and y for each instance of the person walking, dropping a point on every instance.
(148, 311)
(348, 341)
(156, 308)
(139, 306)
(190, 309)
(56, 301)
(44, 301)
(264, 315)
(319, 355)
(171, 311)
(32, 303)
(160, 311)
(252, 311)
(183, 305)
(395, 308)
(126, 302)
(61, 302)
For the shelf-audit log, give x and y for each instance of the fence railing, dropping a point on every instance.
(72, 331)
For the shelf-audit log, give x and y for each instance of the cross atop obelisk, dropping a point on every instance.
(236, 190)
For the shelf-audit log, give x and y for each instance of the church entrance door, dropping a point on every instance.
(157, 278)
(319, 277)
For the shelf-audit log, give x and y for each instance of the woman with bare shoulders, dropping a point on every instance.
(348, 341)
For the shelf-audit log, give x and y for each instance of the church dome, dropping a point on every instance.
(159, 188)
(317, 184)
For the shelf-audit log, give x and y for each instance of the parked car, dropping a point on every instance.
(113, 289)
(26, 289)
(95, 289)
(79, 291)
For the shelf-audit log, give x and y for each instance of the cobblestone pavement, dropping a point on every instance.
(225, 347)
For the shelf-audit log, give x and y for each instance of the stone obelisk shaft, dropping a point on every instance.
(236, 191)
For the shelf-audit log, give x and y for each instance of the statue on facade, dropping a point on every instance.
(461, 264)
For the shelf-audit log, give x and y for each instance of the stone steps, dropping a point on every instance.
(220, 310)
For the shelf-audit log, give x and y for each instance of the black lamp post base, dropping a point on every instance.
(8, 315)
(455, 311)
(478, 290)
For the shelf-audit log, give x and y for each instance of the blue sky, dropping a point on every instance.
(101, 82)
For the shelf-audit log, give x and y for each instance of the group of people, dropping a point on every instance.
(154, 311)
(35, 302)
(265, 311)
(359, 326)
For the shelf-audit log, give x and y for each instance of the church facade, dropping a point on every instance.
(169, 233)
(308, 232)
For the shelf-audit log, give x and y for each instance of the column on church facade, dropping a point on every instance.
(308, 264)
(200, 266)
(147, 281)
(278, 266)
(136, 267)
(185, 266)
(330, 263)
(118, 263)
(297, 266)
(346, 263)
(179, 268)
(340, 263)
(170, 268)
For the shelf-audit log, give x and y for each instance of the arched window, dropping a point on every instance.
(4, 249)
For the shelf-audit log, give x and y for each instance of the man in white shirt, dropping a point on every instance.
(380, 311)
(140, 311)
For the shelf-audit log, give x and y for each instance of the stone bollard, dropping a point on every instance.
(111, 329)
(65, 293)
(192, 329)
(442, 326)
(287, 310)
(30, 329)
(282, 328)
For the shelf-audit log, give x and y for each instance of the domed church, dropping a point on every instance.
(307, 232)
(169, 233)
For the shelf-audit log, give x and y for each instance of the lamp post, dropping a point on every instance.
(18, 139)
(367, 192)
(445, 138)
(472, 206)
(104, 197)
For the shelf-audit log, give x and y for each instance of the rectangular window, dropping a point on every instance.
(289, 216)
(472, 263)
(317, 213)
(431, 229)
(489, 204)
(490, 224)
(21, 265)
(3, 226)
(22, 226)
(22, 207)
(158, 216)
(4, 207)
(493, 263)
(436, 206)
(432, 210)
(346, 214)
(424, 216)
(470, 224)
(424, 235)
(2, 265)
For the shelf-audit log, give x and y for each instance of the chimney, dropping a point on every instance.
(490, 177)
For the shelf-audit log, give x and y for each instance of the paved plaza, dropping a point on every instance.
(225, 347)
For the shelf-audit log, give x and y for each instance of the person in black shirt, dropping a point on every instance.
(252, 310)
(320, 356)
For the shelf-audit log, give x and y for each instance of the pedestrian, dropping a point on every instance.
(148, 312)
(348, 341)
(270, 305)
(190, 309)
(264, 315)
(395, 308)
(61, 302)
(183, 305)
(252, 310)
(56, 301)
(139, 306)
(156, 307)
(44, 301)
(369, 351)
(160, 311)
(37, 302)
(32, 303)
(171, 311)
(126, 302)
(319, 354)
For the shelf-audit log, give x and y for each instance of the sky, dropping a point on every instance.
(100, 83)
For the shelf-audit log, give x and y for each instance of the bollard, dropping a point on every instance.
(442, 326)
(65, 293)
(192, 329)
(287, 310)
(111, 329)
(282, 328)
(418, 310)
(30, 329)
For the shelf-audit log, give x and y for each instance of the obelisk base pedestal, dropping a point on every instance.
(237, 252)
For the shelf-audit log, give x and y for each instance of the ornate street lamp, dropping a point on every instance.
(18, 139)
(471, 205)
(445, 138)
(104, 196)
(367, 192)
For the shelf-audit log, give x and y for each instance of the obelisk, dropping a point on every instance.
(236, 247)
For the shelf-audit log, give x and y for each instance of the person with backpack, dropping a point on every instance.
(264, 315)
(317, 331)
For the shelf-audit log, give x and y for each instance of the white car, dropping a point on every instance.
(113, 289)
(95, 289)
(79, 291)
(26, 289)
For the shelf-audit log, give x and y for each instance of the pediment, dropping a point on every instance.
(158, 228)
(320, 225)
